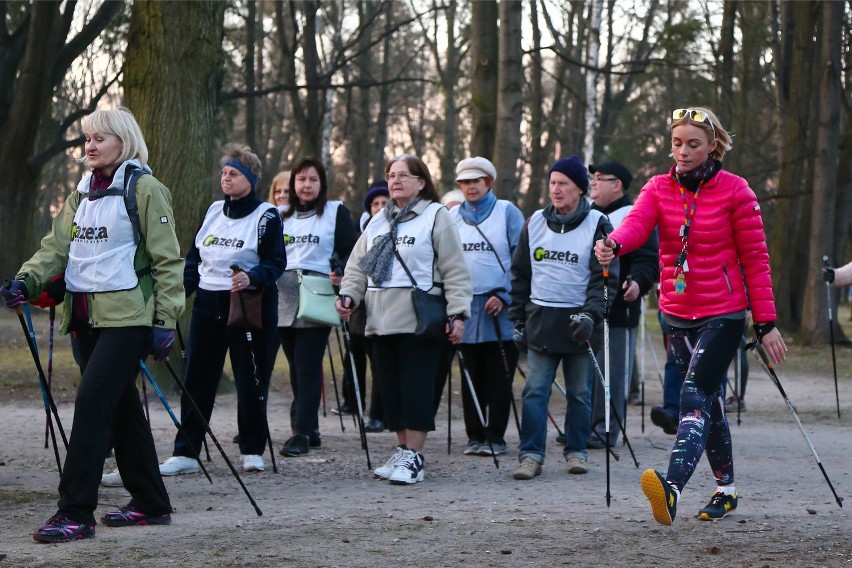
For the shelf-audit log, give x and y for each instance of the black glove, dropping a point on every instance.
(14, 293)
(519, 336)
(162, 341)
(828, 275)
(581, 327)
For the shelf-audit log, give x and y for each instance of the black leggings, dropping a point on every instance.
(708, 349)
(107, 410)
(305, 349)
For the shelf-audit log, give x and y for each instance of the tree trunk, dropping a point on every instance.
(449, 81)
(538, 150)
(789, 243)
(171, 84)
(814, 330)
(248, 66)
(509, 100)
(384, 98)
(592, 80)
(725, 74)
(483, 89)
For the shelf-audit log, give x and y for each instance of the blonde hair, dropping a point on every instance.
(120, 123)
(281, 179)
(722, 137)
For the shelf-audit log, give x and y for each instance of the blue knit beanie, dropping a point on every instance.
(573, 167)
(377, 188)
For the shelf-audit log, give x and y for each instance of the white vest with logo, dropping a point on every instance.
(222, 242)
(414, 243)
(487, 272)
(309, 241)
(102, 249)
(560, 261)
(616, 217)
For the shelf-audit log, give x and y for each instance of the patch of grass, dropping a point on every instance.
(19, 497)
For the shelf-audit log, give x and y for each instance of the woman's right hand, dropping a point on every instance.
(343, 305)
(604, 251)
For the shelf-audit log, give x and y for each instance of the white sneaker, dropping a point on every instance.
(253, 462)
(178, 465)
(409, 471)
(112, 479)
(387, 470)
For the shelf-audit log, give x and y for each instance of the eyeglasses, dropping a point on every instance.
(401, 176)
(600, 179)
(693, 114)
(230, 173)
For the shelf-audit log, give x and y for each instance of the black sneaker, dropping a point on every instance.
(315, 440)
(296, 446)
(60, 528)
(595, 443)
(720, 506)
(374, 425)
(661, 495)
(560, 439)
(664, 419)
(344, 410)
(128, 517)
(236, 439)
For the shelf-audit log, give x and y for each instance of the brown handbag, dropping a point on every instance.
(245, 310)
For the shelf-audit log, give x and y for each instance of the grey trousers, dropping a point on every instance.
(622, 347)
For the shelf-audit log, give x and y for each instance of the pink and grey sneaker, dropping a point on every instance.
(128, 517)
(60, 528)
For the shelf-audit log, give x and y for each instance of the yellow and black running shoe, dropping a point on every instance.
(661, 495)
(720, 506)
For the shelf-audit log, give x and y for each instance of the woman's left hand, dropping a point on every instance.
(455, 334)
(239, 281)
(335, 278)
(774, 346)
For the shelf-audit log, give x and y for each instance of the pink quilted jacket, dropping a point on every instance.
(726, 234)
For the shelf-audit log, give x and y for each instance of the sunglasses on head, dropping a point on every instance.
(695, 115)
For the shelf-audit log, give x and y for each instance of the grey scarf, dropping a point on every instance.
(378, 261)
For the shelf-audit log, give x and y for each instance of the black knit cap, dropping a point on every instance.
(377, 188)
(613, 168)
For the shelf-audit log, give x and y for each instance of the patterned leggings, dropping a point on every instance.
(703, 355)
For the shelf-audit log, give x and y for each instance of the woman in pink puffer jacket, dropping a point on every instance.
(713, 263)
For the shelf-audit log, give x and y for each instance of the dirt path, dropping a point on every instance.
(326, 510)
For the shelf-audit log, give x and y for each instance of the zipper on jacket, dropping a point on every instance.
(727, 280)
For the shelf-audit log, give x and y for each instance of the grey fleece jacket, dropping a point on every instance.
(389, 310)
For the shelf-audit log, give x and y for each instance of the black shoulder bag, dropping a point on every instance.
(430, 309)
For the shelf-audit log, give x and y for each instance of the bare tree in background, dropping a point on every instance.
(35, 54)
(484, 47)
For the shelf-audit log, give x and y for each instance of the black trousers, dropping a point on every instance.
(305, 350)
(493, 389)
(210, 338)
(107, 410)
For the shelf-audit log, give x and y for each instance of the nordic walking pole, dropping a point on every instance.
(260, 396)
(360, 408)
(449, 407)
(49, 403)
(334, 380)
(642, 332)
(609, 449)
(212, 436)
(342, 364)
(509, 377)
(764, 361)
(618, 421)
(737, 380)
(182, 344)
(825, 262)
(606, 368)
(476, 404)
(168, 408)
(49, 366)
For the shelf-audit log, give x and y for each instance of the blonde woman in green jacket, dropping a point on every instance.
(124, 285)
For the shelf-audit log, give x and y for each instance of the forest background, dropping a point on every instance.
(521, 82)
